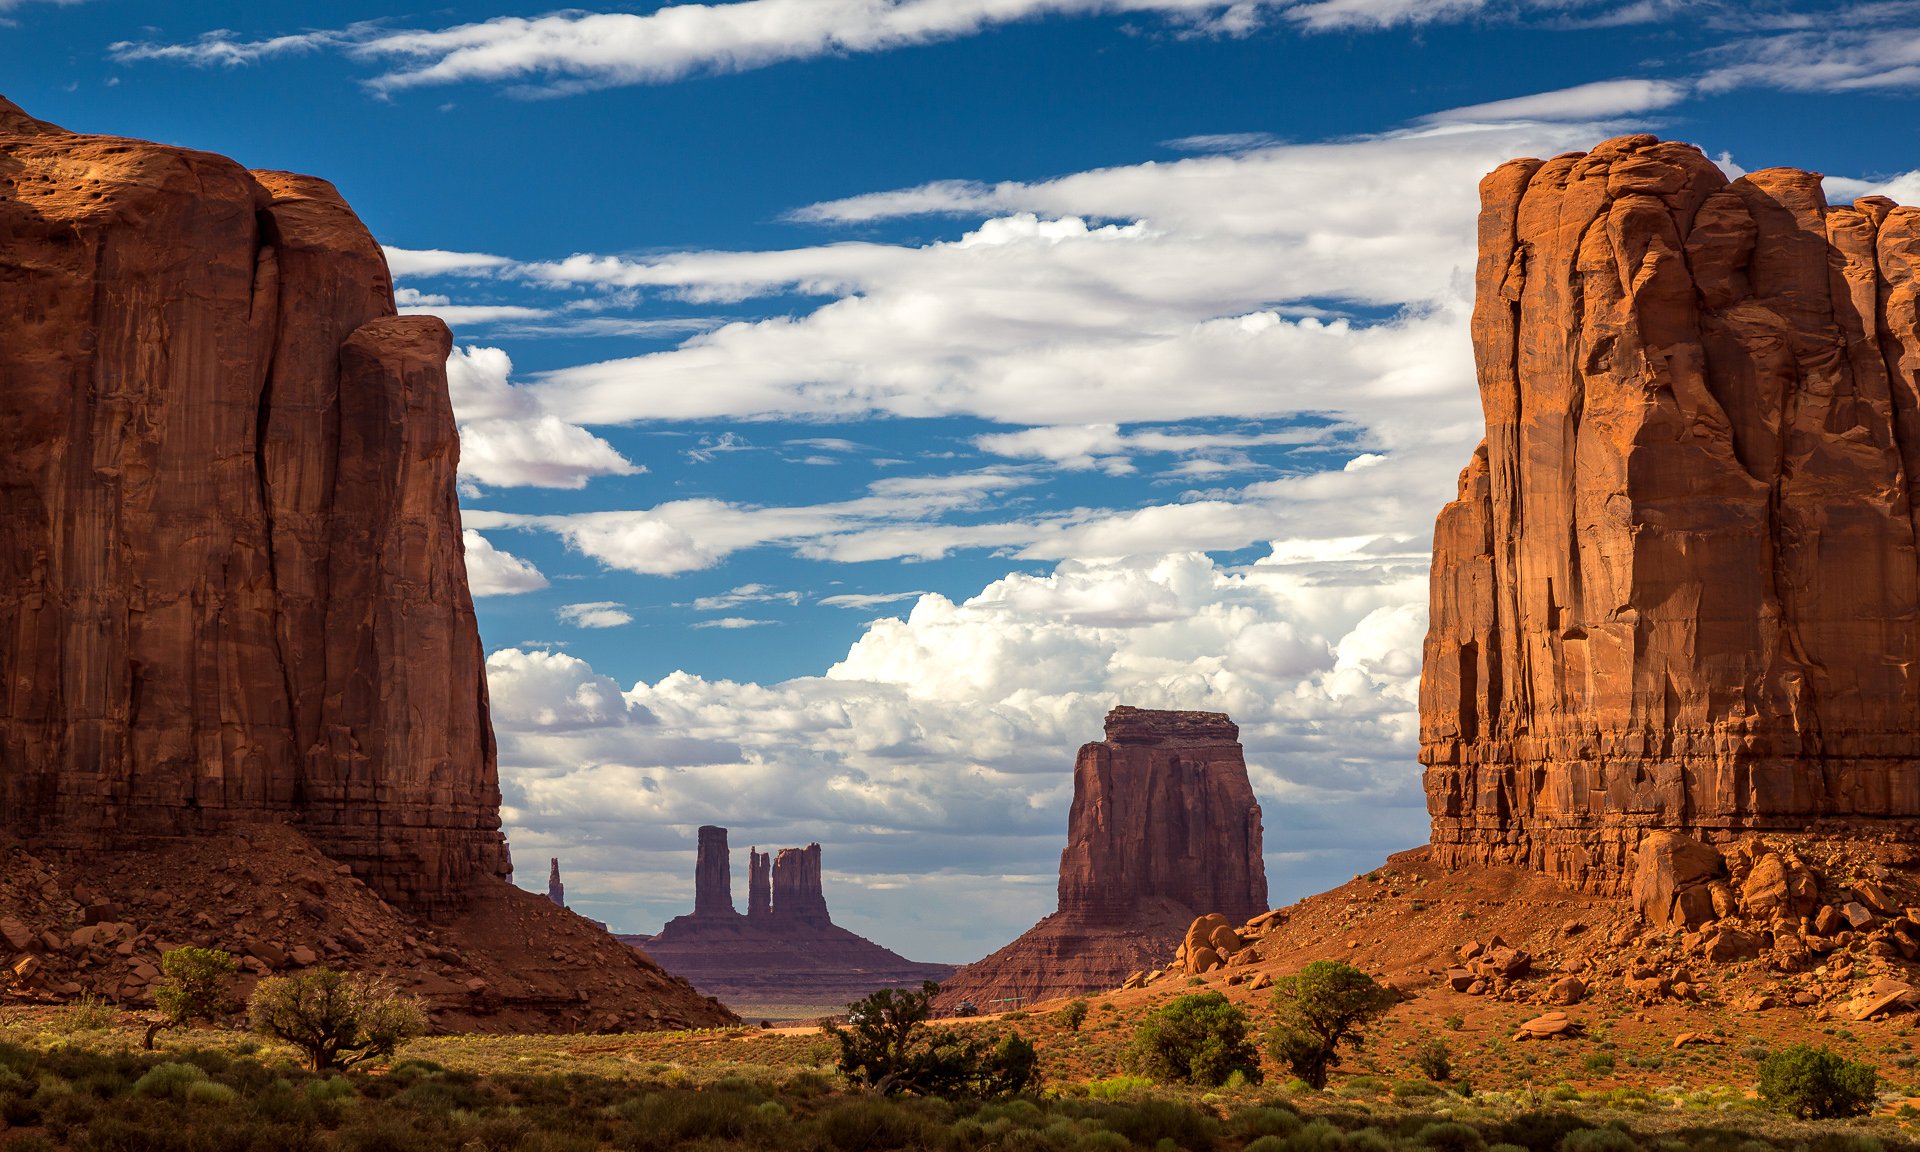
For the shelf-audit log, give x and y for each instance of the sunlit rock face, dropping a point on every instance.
(233, 587)
(1678, 588)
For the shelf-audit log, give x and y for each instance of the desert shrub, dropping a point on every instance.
(1322, 1007)
(169, 1081)
(1450, 1136)
(1540, 1131)
(88, 1013)
(1118, 1087)
(336, 1019)
(194, 987)
(1199, 1039)
(1152, 1119)
(1416, 1090)
(1434, 1059)
(1816, 1083)
(1264, 1121)
(1598, 1140)
(865, 1124)
(1073, 1015)
(661, 1120)
(887, 1045)
(210, 1092)
(1599, 1063)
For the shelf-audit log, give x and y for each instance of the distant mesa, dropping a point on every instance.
(785, 950)
(1679, 589)
(1164, 829)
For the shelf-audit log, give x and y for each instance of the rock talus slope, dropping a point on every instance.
(1164, 827)
(233, 587)
(1678, 589)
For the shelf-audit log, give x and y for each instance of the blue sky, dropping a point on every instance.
(859, 397)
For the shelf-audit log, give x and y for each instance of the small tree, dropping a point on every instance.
(888, 1046)
(336, 1019)
(1322, 1007)
(195, 988)
(1817, 1084)
(1074, 1015)
(1199, 1039)
(1435, 1059)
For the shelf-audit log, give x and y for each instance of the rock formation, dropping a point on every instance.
(786, 955)
(796, 886)
(712, 874)
(1678, 591)
(234, 596)
(1164, 828)
(236, 590)
(556, 891)
(759, 885)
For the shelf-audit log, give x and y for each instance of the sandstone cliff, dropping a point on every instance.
(234, 587)
(1164, 827)
(1678, 589)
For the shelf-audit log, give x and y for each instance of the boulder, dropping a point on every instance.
(1567, 990)
(1670, 877)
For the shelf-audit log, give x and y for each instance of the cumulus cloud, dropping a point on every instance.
(506, 441)
(598, 614)
(493, 572)
(964, 716)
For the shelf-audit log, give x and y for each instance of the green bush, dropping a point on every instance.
(194, 988)
(864, 1124)
(1451, 1136)
(1266, 1120)
(168, 1081)
(1147, 1122)
(888, 1046)
(1598, 1063)
(1598, 1140)
(1198, 1039)
(336, 1019)
(1323, 1006)
(1817, 1084)
(1073, 1015)
(1434, 1059)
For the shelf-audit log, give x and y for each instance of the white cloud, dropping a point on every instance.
(1106, 447)
(598, 614)
(864, 600)
(734, 622)
(745, 594)
(1866, 47)
(492, 572)
(505, 441)
(1902, 189)
(1600, 100)
(964, 717)
(411, 262)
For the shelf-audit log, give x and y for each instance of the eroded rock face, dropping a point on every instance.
(712, 874)
(759, 884)
(233, 586)
(1162, 808)
(1164, 828)
(1678, 589)
(797, 895)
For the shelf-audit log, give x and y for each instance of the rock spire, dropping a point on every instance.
(712, 874)
(797, 894)
(1678, 590)
(759, 884)
(556, 891)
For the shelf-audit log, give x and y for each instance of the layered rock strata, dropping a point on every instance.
(1164, 828)
(234, 588)
(786, 955)
(1678, 588)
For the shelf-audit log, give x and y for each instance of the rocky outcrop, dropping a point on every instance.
(786, 956)
(234, 588)
(759, 885)
(797, 895)
(1164, 828)
(712, 874)
(556, 891)
(1678, 590)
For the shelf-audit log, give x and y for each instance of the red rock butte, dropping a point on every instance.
(235, 589)
(1678, 589)
(1164, 828)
